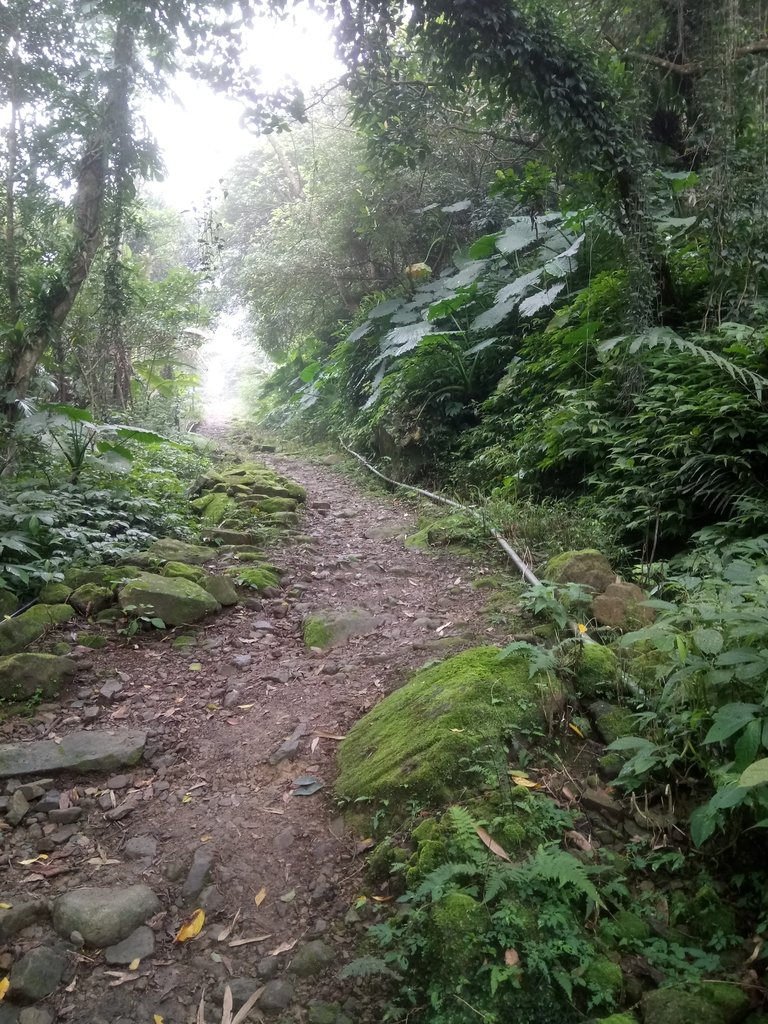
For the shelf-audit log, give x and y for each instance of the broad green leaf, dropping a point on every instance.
(708, 641)
(532, 305)
(518, 236)
(755, 775)
(483, 247)
(703, 822)
(729, 720)
(383, 309)
(361, 331)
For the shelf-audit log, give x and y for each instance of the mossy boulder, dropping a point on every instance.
(426, 740)
(456, 530)
(728, 997)
(675, 1006)
(9, 602)
(174, 600)
(181, 570)
(268, 505)
(236, 537)
(621, 607)
(259, 479)
(222, 589)
(168, 549)
(325, 629)
(618, 1018)
(100, 575)
(29, 675)
(459, 924)
(596, 669)
(280, 519)
(259, 578)
(612, 721)
(217, 509)
(54, 593)
(18, 633)
(625, 927)
(91, 598)
(589, 568)
(604, 979)
(96, 641)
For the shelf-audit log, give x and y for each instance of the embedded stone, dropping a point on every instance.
(621, 607)
(104, 917)
(18, 633)
(176, 601)
(36, 975)
(32, 675)
(80, 751)
(167, 549)
(589, 568)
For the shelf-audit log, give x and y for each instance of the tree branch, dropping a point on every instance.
(690, 68)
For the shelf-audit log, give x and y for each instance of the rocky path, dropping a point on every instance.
(230, 808)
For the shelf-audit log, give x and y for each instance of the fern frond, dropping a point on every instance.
(552, 865)
(435, 882)
(498, 881)
(367, 967)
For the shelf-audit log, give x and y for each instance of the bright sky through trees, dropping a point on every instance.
(200, 133)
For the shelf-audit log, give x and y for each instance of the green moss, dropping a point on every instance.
(612, 721)
(459, 924)
(219, 508)
(597, 670)
(427, 740)
(9, 602)
(183, 571)
(317, 632)
(91, 598)
(618, 1018)
(487, 583)
(249, 556)
(729, 998)
(54, 593)
(261, 578)
(457, 530)
(384, 858)
(93, 640)
(268, 505)
(604, 977)
(588, 567)
(702, 912)
(430, 855)
(425, 830)
(624, 927)
(673, 1006)
(18, 633)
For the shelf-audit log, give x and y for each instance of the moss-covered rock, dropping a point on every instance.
(331, 628)
(222, 535)
(427, 739)
(728, 997)
(612, 721)
(91, 598)
(597, 670)
(456, 530)
(113, 614)
(181, 570)
(621, 607)
(604, 978)
(54, 593)
(674, 1006)
(218, 508)
(280, 519)
(625, 927)
(459, 924)
(589, 568)
(702, 911)
(100, 575)
(174, 600)
(618, 1018)
(18, 633)
(9, 602)
(259, 578)
(269, 505)
(168, 549)
(96, 641)
(222, 589)
(30, 675)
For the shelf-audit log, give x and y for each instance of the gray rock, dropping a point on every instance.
(198, 873)
(140, 848)
(242, 989)
(18, 805)
(9, 1014)
(35, 1015)
(277, 995)
(312, 958)
(104, 916)
(241, 660)
(331, 628)
(80, 751)
(386, 531)
(21, 916)
(171, 598)
(268, 967)
(222, 590)
(287, 751)
(36, 975)
(111, 690)
(138, 945)
(118, 782)
(168, 549)
(65, 816)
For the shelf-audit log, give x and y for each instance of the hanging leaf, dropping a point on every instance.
(385, 308)
(493, 317)
(518, 236)
(403, 339)
(531, 305)
(755, 775)
(519, 285)
(483, 247)
(361, 331)
(480, 346)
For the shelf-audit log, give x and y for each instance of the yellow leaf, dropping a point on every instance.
(33, 860)
(520, 780)
(195, 667)
(205, 839)
(582, 629)
(260, 896)
(576, 729)
(5, 906)
(134, 964)
(4, 986)
(457, 730)
(191, 927)
(381, 899)
(157, 1019)
(246, 707)
(187, 798)
(212, 707)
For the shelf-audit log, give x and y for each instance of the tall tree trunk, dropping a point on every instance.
(88, 212)
(11, 266)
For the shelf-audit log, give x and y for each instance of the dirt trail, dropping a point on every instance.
(206, 793)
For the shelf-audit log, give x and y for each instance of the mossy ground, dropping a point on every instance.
(446, 726)
(262, 577)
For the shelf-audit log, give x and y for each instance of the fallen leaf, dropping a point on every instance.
(313, 744)
(457, 730)
(226, 932)
(364, 844)
(511, 958)
(6, 906)
(187, 798)
(247, 1006)
(282, 948)
(246, 707)
(381, 899)
(492, 845)
(134, 964)
(195, 667)
(4, 986)
(191, 926)
(579, 840)
(521, 780)
(205, 839)
(260, 896)
(576, 729)
(246, 942)
(33, 860)
(157, 1019)
(288, 897)
(329, 735)
(122, 978)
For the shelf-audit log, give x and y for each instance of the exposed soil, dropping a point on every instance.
(215, 713)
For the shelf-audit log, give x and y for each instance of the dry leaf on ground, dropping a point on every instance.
(492, 845)
(260, 896)
(191, 926)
